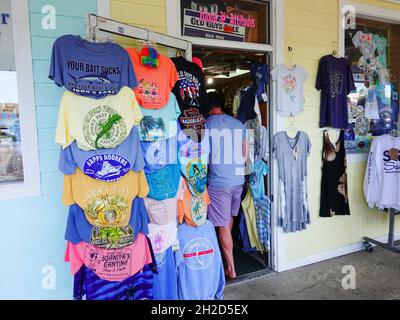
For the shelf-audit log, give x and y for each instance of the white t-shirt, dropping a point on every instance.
(382, 176)
(290, 86)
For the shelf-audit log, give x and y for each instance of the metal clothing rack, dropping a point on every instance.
(96, 24)
(388, 246)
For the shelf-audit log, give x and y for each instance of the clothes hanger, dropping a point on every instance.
(291, 56)
(291, 129)
(335, 51)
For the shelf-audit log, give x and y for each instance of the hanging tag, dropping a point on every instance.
(265, 97)
(296, 153)
(175, 246)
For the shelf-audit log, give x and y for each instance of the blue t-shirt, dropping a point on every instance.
(158, 154)
(79, 229)
(104, 164)
(90, 69)
(165, 284)
(226, 166)
(160, 124)
(256, 179)
(200, 270)
(193, 157)
(164, 183)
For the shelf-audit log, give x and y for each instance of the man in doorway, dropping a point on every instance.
(226, 175)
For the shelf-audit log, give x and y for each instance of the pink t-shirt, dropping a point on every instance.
(165, 211)
(109, 265)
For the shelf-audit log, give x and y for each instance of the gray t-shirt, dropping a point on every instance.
(291, 155)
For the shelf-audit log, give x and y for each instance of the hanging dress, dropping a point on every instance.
(334, 192)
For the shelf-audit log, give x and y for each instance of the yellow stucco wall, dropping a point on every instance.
(310, 28)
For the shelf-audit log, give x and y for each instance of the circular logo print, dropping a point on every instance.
(198, 254)
(198, 211)
(103, 127)
(196, 173)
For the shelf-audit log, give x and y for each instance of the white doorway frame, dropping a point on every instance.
(276, 258)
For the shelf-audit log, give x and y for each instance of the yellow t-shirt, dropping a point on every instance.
(251, 221)
(106, 204)
(97, 123)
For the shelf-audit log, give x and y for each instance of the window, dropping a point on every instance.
(372, 49)
(19, 169)
(244, 21)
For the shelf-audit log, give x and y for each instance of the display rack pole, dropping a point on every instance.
(95, 25)
(388, 246)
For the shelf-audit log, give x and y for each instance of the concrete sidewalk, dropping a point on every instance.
(377, 277)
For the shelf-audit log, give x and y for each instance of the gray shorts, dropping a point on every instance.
(224, 204)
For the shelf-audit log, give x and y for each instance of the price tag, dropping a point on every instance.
(175, 246)
(264, 97)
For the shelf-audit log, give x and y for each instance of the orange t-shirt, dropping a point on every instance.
(106, 204)
(155, 84)
(192, 208)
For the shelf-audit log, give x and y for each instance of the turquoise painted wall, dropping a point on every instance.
(32, 230)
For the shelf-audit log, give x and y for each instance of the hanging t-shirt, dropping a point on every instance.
(193, 208)
(158, 154)
(137, 287)
(260, 77)
(163, 236)
(382, 175)
(291, 155)
(105, 204)
(200, 270)
(191, 94)
(104, 164)
(335, 80)
(160, 124)
(250, 213)
(110, 265)
(90, 69)
(165, 285)
(95, 124)
(154, 84)
(165, 211)
(193, 157)
(290, 89)
(256, 179)
(79, 229)
(164, 183)
(226, 162)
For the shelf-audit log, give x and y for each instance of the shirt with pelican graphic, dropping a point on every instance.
(88, 69)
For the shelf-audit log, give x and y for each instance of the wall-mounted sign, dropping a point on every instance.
(244, 21)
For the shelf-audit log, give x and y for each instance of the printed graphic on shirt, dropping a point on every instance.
(106, 167)
(196, 173)
(148, 92)
(290, 86)
(391, 160)
(111, 238)
(193, 119)
(103, 127)
(198, 254)
(161, 182)
(107, 211)
(189, 87)
(152, 129)
(198, 211)
(95, 82)
(158, 240)
(111, 265)
(336, 83)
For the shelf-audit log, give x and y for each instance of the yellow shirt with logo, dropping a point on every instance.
(97, 123)
(106, 204)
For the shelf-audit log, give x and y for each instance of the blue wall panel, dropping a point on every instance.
(33, 229)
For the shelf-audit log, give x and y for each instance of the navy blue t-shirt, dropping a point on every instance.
(335, 80)
(90, 69)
